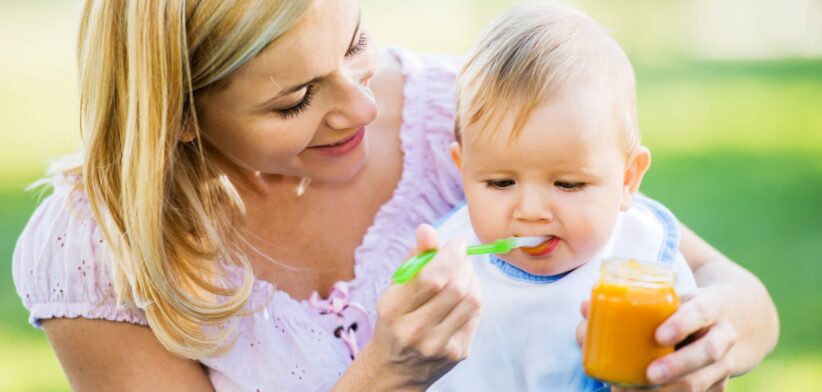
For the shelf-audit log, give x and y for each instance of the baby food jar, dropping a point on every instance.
(629, 302)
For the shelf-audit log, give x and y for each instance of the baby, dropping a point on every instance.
(548, 145)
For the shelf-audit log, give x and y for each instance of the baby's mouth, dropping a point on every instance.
(543, 249)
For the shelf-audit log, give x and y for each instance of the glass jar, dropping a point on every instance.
(631, 299)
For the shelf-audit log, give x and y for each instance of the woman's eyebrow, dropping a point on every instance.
(287, 91)
(298, 87)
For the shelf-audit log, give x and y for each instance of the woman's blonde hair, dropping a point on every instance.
(533, 52)
(168, 214)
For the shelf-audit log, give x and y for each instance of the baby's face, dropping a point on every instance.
(563, 177)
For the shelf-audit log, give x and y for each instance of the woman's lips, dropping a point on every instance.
(342, 147)
(543, 249)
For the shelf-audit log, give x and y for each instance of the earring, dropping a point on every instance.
(302, 186)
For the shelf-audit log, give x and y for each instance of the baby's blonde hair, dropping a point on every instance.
(166, 211)
(532, 53)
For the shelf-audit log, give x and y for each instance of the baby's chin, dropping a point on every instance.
(542, 266)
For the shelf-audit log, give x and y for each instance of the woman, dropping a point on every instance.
(241, 196)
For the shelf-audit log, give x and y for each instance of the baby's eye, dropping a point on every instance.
(499, 184)
(570, 186)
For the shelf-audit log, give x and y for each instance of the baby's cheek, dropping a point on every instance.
(488, 216)
(486, 226)
(591, 240)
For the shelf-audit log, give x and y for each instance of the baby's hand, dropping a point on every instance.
(426, 326)
(704, 338)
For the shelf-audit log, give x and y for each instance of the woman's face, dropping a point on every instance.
(301, 106)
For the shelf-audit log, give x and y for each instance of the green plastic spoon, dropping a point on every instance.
(409, 269)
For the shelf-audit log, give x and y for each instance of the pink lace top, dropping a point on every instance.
(61, 263)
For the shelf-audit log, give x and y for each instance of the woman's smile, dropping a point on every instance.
(342, 147)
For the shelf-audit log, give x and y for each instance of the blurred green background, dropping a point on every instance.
(730, 104)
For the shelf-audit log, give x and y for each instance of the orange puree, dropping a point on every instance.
(627, 305)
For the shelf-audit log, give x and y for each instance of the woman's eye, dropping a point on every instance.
(299, 107)
(499, 184)
(359, 46)
(570, 186)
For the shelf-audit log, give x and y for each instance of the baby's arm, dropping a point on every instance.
(730, 314)
(685, 281)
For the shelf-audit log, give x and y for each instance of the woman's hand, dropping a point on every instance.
(424, 326)
(703, 335)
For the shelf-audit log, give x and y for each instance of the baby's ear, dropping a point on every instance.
(456, 154)
(634, 172)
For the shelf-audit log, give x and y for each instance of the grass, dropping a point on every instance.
(28, 363)
(735, 157)
(761, 209)
(751, 106)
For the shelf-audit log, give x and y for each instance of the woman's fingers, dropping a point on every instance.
(700, 310)
(461, 273)
(427, 299)
(434, 276)
(436, 314)
(426, 325)
(703, 353)
(466, 309)
(453, 335)
(449, 263)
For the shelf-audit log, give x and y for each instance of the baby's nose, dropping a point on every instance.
(533, 207)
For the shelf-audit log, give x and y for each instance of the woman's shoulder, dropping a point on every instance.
(416, 92)
(439, 67)
(430, 184)
(432, 76)
(419, 88)
(429, 104)
(61, 262)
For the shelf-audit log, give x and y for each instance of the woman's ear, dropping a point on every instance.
(456, 154)
(188, 132)
(634, 172)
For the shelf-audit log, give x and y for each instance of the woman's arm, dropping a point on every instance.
(99, 355)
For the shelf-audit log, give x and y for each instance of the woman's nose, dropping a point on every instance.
(355, 106)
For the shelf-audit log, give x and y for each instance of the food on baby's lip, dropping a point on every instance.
(543, 249)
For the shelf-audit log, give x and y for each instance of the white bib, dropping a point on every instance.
(526, 337)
